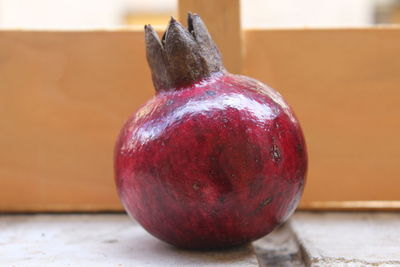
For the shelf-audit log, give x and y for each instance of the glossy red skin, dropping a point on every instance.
(215, 165)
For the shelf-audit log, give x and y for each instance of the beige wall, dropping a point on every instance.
(77, 14)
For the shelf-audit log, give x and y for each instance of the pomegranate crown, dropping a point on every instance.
(182, 56)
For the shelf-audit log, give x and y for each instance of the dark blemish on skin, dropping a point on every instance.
(211, 93)
(221, 199)
(213, 213)
(264, 203)
(299, 148)
(110, 241)
(196, 186)
(170, 102)
(275, 153)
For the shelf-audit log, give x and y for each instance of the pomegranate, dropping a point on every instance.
(214, 160)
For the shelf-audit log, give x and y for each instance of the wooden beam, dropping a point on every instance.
(63, 98)
(344, 87)
(222, 18)
(65, 95)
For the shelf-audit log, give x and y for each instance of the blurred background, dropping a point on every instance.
(64, 93)
(92, 14)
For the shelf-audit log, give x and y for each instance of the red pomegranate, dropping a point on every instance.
(214, 160)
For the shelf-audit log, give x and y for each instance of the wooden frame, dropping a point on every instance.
(65, 95)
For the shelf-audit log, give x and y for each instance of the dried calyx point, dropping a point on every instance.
(182, 56)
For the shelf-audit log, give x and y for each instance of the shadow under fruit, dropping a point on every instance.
(214, 160)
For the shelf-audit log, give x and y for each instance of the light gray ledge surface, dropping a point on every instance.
(309, 239)
(98, 240)
(348, 238)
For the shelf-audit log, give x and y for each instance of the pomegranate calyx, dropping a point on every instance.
(183, 56)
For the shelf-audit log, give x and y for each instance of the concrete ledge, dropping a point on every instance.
(279, 248)
(348, 238)
(309, 239)
(98, 240)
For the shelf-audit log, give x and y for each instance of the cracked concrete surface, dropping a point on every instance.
(279, 249)
(309, 239)
(348, 238)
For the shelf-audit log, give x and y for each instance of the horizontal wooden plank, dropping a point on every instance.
(364, 205)
(63, 98)
(65, 95)
(344, 87)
